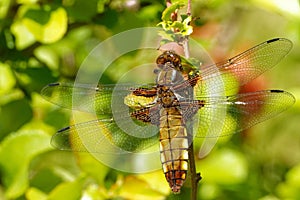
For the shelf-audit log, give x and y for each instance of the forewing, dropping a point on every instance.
(88, 98)
(82, 97)
(241, 69)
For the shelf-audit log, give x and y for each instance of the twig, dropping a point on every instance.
(168, 3)
(195, 177)
(185, 45)
(186, 39)
(189, 10)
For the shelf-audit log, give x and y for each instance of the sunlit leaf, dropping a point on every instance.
(38, 24)
(150, 12)
(52, 30)
(156, 180)
(166, 15)
(51, 168)
(19, 149)
(24, 37)
(290, 189)
(209, 191)
(35, 194)
(93, 191)
(67, 191)
(135, 188)
(224, 167)
(92, 167)
(48, 56)
(7, 80)
(27, 1)
(101, 5)
(4, 8)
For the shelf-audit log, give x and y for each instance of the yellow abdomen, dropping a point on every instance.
(173, 147)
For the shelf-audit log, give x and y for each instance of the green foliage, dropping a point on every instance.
(9, 122)
(289, 189)
(46, 41)
(36, 24)
(174, 30)
(14, 165)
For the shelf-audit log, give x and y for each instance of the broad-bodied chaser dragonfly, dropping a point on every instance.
(176, 102)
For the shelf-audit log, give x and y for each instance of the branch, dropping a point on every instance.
(168, 3)
(186, 43)
(189, 10)
(195, 177)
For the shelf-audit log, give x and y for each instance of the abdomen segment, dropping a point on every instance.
(173, 147)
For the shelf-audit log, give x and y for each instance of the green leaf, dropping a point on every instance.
(92, 167)
(135, 188)
(84, 11)
(293, 176)
(33, 79)
(4, 8)
(45, 179)
(167, 35)
(67, 191)
(27, 1)
(156, 180)
(150, 12)
(24, 37)
(166, 15)
(51, 168)
(224, 166)
(48, 55)
(50, 31)
(175, 31)
(16, 152)
(35, 194)
(93, 191)
(39, 24)
(290, 189)
(101, 5)
(8, 112)
(209, 191)
(7, 80)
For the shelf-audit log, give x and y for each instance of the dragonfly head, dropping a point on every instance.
(169, 57)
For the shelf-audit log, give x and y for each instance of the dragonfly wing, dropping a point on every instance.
(227, 115)
(241, 69)
(104, 137)
(111, 145)
(84, 97)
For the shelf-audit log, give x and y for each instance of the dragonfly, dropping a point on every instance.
(180, 107)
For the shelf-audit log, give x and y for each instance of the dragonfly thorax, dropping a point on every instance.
(169, 76)
(166, 97)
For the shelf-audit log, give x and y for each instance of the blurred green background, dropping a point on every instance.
(46, 41)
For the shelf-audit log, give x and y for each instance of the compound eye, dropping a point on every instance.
(160, 60)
